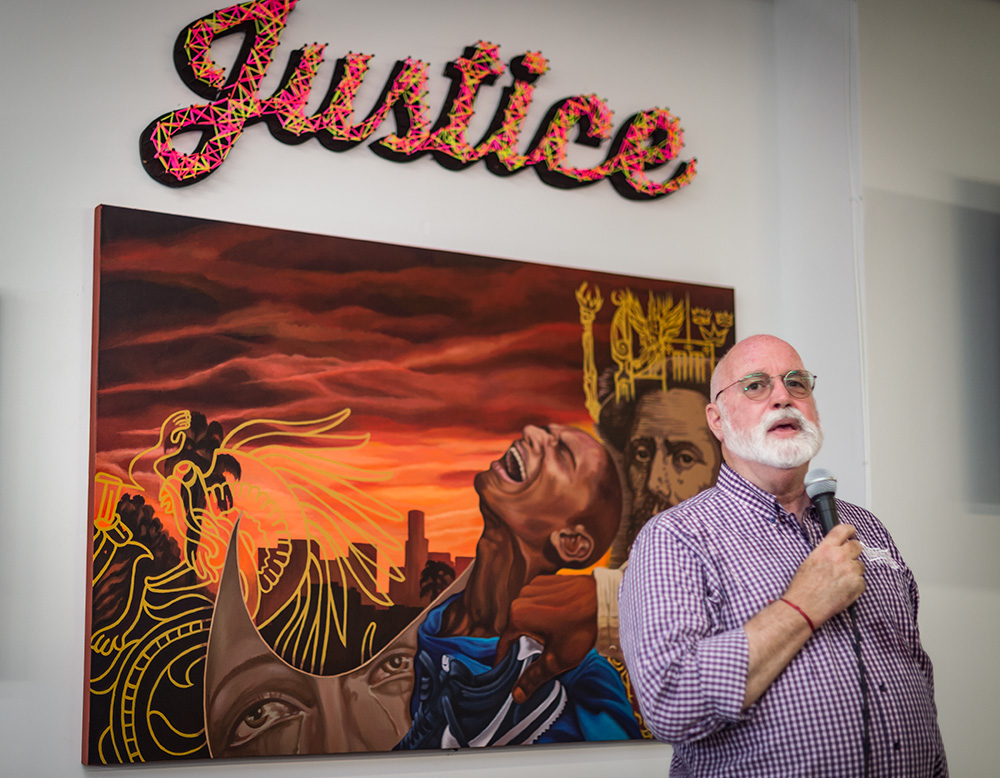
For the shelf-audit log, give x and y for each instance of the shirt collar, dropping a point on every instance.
(735, 485)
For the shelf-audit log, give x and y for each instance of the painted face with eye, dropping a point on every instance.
(257, 705)
(671, 455)
(556, 489)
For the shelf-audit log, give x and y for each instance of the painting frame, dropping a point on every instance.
(332, 436)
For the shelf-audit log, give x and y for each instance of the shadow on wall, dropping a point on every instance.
(979, 254)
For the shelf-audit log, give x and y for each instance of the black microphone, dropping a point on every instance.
(821, 486)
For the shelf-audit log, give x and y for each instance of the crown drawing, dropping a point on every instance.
(666, 342)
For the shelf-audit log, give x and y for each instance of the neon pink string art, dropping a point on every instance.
(646, 141)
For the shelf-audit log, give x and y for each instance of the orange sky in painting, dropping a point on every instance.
(441, 358)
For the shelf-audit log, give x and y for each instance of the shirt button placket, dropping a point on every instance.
(895, 743)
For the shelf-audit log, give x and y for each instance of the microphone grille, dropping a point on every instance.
(820, 481)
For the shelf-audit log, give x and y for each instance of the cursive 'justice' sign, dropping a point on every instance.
(646, 141)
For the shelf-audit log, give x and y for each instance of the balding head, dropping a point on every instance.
(749, 355)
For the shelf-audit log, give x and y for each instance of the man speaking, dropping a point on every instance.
(757, 645)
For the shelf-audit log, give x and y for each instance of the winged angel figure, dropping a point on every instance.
(307, 530)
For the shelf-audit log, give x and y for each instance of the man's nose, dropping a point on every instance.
(335, 728)
(780, 398)
(659, 476)
(536, 436)
(542, 435)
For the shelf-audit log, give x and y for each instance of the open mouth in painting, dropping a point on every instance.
(512, 464)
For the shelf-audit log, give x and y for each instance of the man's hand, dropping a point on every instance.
(831, 578)
(560, 612)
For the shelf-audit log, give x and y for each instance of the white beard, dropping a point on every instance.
(754, 445)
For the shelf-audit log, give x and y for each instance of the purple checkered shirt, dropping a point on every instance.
(698, 572)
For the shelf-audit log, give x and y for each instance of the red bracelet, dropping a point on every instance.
(793, 605)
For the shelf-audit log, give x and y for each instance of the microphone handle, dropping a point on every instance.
(827, 509)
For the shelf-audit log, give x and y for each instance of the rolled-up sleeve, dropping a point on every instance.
(689, 673)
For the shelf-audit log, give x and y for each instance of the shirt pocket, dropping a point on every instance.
(888, 599)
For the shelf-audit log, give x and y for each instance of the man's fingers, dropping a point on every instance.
(507, 639)
(537, 673)
(510, 638)
(841, 534)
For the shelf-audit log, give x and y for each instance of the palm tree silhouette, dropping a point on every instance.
(435, 578)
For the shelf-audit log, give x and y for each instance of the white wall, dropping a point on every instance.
(764, 93)
(930, 107)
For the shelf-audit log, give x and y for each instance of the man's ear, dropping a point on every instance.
(714, 417)
(573, 545)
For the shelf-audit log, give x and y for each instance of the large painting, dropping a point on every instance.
(350, 496)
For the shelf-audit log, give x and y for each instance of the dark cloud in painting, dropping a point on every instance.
(242, 322)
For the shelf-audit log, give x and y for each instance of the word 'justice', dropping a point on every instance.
(646, 141)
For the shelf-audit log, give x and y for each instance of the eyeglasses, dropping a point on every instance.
(758, 386)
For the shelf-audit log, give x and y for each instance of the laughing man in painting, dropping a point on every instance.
(552, 501)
